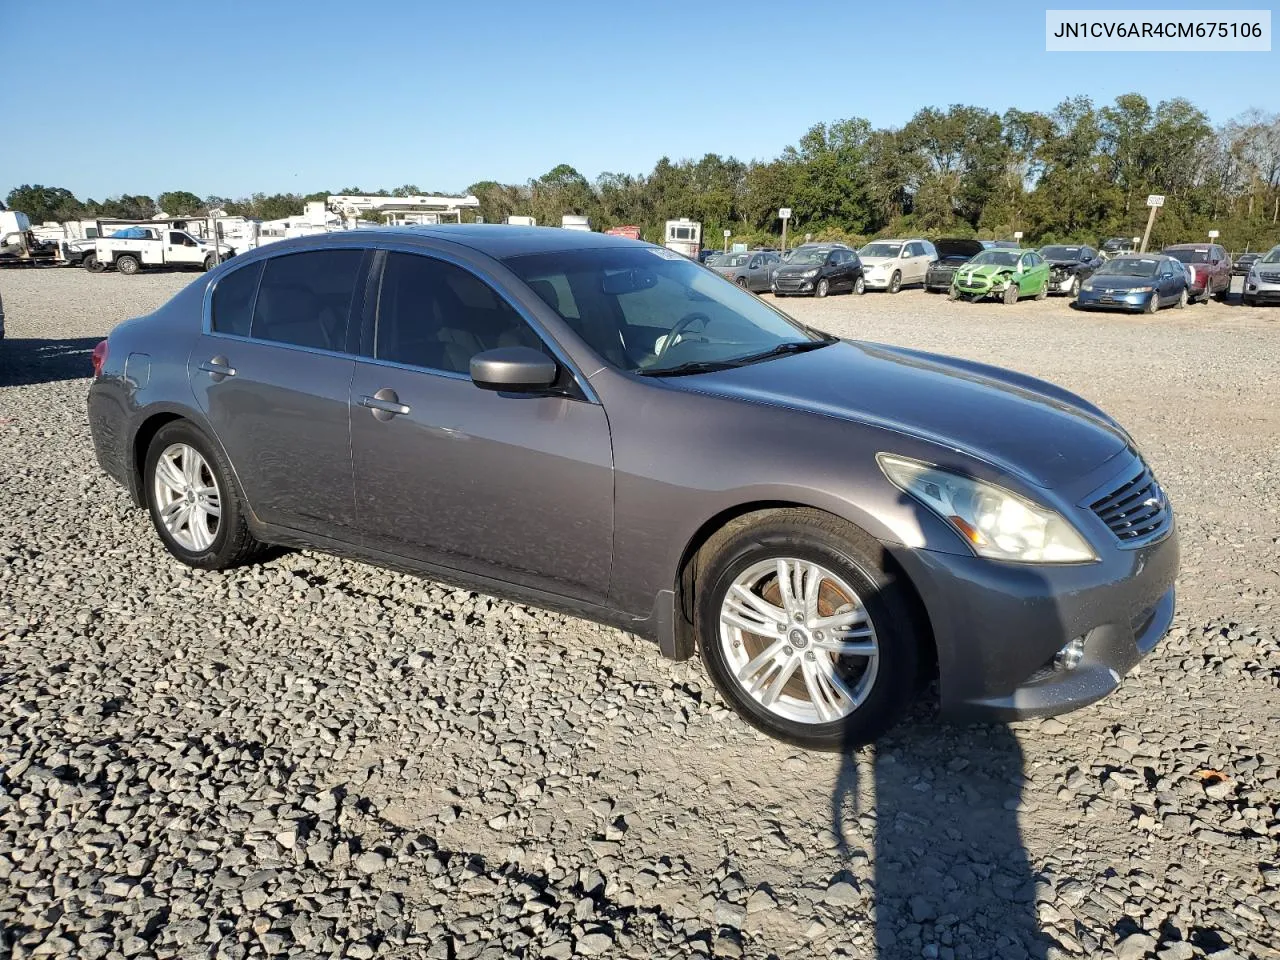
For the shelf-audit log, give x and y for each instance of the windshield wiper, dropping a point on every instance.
(711, 366)
(693, 366)
(782, 349)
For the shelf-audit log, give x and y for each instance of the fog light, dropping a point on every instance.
(1069, 657)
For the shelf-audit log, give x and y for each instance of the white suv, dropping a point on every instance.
(888, 264)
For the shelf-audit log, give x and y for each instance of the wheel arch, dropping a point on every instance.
(682, 644)
(145, 432)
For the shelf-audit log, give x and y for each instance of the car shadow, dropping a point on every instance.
(35, 360)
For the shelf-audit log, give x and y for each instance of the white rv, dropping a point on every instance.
(684, 236)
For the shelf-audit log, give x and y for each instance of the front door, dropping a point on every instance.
(514, 487)
(272, 377)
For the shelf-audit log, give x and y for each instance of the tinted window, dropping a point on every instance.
(233, 299)
(304, 298)
(435, 315)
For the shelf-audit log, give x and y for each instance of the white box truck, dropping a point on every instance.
(684, 236)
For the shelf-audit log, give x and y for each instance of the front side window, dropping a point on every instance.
(304, 298)
(233, 300)
(647, 311)
(435, 315)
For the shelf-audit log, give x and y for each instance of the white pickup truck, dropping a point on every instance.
(131, 249)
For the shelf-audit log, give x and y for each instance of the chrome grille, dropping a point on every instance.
(1269, 276)
(1137, 510)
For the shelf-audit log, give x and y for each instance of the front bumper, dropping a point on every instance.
(1117, 300)
(784, 286)
(877, 281)
(981, 287)
(997, 626)
(1265, 291)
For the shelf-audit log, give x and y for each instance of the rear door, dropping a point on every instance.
(272, 373)
(513, 487)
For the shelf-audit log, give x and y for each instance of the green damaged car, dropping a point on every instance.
(1007, 274)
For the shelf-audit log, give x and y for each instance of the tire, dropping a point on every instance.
(1043, 292)
(1011, 294)
(953, 294)
(823, 288)
(1182, 299)
(128, 264)
(210, 262)
(741, 281)
(1153, 304)
(895, 282)
(860, 286)
(881, 685)
(1074, 292)
(93, 264)
(203, 541)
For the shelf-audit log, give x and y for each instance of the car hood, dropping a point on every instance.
(949, 247)
(795, 269)
(986, 269)
(876, 261)
(1121, 281)
(1067, 262)
(1027, 427)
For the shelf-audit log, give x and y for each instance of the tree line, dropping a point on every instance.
(1080, 172)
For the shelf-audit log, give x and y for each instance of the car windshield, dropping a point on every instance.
(732, 260)
(1189, 255)
(649, 310)
(880, 250)
(1114, 244)
(810, 255)
(1001, 258)
(1060, 253)
(1128, 267)
(1273, 256)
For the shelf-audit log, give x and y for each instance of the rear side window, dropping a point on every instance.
(233, 300)
(304, 298)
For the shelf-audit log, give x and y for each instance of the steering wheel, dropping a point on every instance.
(683, 324)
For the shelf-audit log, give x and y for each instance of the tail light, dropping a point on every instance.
(99, 358)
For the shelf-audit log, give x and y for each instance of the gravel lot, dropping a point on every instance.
(313, 757)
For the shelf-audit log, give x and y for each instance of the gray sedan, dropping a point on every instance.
(602, 426)
(750, 270)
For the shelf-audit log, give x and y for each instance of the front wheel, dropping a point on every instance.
(1153, 304)
(193, 501)
(128, 265)
(93, 264)
(1074, 292)
(805, 630)
(823, 288)
(860, 286)
(1011, 294)
(895, 282)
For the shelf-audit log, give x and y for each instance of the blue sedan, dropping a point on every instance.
(1137, 283)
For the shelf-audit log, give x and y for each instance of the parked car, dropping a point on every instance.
(704, 255)
(998, 272)
(1005, 244)
(1116, 246)
(1070, 266)
(752, 270)
(889, 264)
(830, 523)
(817, 271)
(1262, 285)
(1240, 265)
(1210, 266)
(1136, 282)
(952, 253)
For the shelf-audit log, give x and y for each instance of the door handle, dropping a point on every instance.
(218, 368)
(385, 404)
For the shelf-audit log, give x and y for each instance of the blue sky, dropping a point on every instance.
(233, 97)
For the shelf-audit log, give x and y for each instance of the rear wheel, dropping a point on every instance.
(860, 285)
(1011, 293)
(1182, 299)
(93, 264)
(193, 501)
(895, 282)
(741, 281)
(128, 264)
(1043, 291)
(823, 288)
(210, 262)
(804, 630)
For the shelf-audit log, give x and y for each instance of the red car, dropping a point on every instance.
(1208, 266)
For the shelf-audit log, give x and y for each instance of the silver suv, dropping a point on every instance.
(1262, 283)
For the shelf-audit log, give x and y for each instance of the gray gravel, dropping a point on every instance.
(315, 758)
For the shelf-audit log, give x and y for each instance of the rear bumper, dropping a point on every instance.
(998, 626)
(108, 425)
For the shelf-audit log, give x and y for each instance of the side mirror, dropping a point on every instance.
(514, 369)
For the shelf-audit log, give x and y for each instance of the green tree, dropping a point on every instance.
(42, 204)
(180, 203)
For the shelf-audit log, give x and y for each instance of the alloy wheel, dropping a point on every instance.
(798, 640)
(187, 498)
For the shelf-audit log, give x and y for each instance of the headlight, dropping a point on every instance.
(813, 272)
(1142, 289)
(1087, 285)
(995, 522)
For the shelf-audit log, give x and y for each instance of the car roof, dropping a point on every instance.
(497, 240)
(1191, 246)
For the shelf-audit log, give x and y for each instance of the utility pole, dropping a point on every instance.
(1155, 201)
